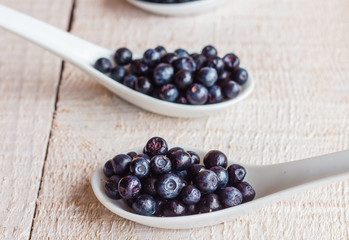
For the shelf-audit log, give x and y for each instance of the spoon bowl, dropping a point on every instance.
(83, 54)
(271, 183)
(177, 9)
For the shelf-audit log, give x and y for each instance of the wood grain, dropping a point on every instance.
(29, 78)
(298, 53)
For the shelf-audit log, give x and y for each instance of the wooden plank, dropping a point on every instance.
(29, 78)
(297, 52)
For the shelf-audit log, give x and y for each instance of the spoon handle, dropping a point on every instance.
(60, 43)
(302, 173)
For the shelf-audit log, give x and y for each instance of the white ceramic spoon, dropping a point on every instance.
(83, 54)
(271, 183)
(177, 9)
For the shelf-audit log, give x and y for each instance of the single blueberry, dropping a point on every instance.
(195, 158)
(168, 186)
(169, 58)
(183, 174)
(215, 158)
(215, 94)
(156, 146)
(186, 63)
(224, 75)
(139, 167)
(160, 164)
(183, 79)
(209, 203)
(206, 181)
(168, 92)
(174, 208)
(174, 149)
(180, 160)
(161, 50)
(199, 60)
(181, 52)
(143, 85)
(240, 76)
(209, 51)
(123, 56)
(144, 205)
(111, 187)
(247, 191)
(207, 76)
(139, 68)
(129, 187)
(118, 73)
(130, 81)
(230, 197)
(194, 170)
(236, 173)
(103, 65)
(132, 154)
(222, 175)
(190, 195)
(231, 89)
(231, 62)
(197, 94)
(163, 73)
(151, 57)
(119, 165)
(216, 63)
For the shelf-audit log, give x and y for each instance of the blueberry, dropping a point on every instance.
(231, 89)
(151, 57)
(119, 165)
(194, 170)
(209, 203)
(156, 146)
(183, 79)
(160, 164)
(207, 76)
(139, 68)
(181, 52)
(139, 167)
(129, 187)
(206, 181)
(111, 187)
(103, 65)
(192, 209)
(160, 205)
(195, 159)
(163, 73)
(230, 197)
(161, 50)
(199, 60)
(143, 155)
(185, 63)
(130, 81)
(143, 85)
(216, 63)
(231, 62)
(148, 186)
(190, 195)
(175, 208)
(132, 154)
(169, 58)
(183, 174)
(168, 186)
(181, 100)
(174, 149)
(209, 51)
(215, 94)
(224, 75)
(118, 73)
(236, 173)
(197, 94)
(240, 76)
(215, 158)
(144, 205)
(180, 160)
(123, 56)
(168, 92)
(248, 193)
(222, 175)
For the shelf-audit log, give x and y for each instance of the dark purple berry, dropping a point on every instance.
(160, 164)
(248, 193)
(143, 85)
(161, 50)
(231, 89)
(215, 158)
(185, 63)
(139, 68)
(216, 63)
(222, 175)
(174, 149)
(111, 187)
(168, 186)
(156, 146)
(194, 170)
(207, 76)
(118, 73)
(181, 52)
(123, 56)
(169, 58)
(206, 181)
(197, 94)
(139, 167)
(148, 186)
(163, 73)
(209, 203)
(132, 154)
(103, 65)
(215, 94)
(231, 62)
(230, 197)
(143, 155)
(183, 175)
(168, 92)
(151, 57)
(160, 205)
(183, 79)
(130, 81)
(199, 60)
(224, 75)
(209, 51)
(195, 159)
(180, 160)
(240, 76)
(190, 195)
(181, 100)
(129, 187)
(144, 205)
(174, 208)
(192, 209)
(236, 173)
(119, 165)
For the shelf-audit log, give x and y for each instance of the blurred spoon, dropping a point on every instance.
(177, 9)
(271, 183)
(84, 54)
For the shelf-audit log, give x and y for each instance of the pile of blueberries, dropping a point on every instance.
(172, 182)
(169, 1)
(178, 77)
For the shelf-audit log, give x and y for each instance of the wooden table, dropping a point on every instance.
(58, 125)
